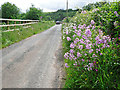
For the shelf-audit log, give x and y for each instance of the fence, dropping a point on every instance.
(21, 22)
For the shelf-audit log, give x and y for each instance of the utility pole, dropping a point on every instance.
(67, 10)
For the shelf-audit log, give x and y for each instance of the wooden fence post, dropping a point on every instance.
(26, 24)
(8, 24)
(15, 25)
(23, 23)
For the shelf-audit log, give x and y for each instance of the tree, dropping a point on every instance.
(59, 15)
(22, 16)
(10, 11)
(33, 13)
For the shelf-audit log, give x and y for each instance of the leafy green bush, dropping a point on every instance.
(108, 18)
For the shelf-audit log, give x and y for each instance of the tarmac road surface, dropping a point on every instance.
(35, 62)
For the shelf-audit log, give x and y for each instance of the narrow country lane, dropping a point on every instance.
(34, 62)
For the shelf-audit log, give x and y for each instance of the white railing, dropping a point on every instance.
(24, 22)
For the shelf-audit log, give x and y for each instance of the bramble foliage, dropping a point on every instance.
(91, 54)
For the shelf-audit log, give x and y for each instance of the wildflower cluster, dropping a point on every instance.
(87, 43)
(89, 52)
(83, 12)
(116, 13)
(95, 10)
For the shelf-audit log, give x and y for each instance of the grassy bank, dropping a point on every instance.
(11, 37)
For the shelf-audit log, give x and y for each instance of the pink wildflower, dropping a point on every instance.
(92, 22)
(116, 13)
(79, 34)
(66, 55)
(72, 45)
(71, 51)
(91, 50)
(84, 37)
(66, 65)
(96, 70)
(74, 35)
(78, 54)
(68, 39)
(83, 60)
(88, 46)
(88, 32)
(67, 32)
(74, 27)
(80, 47)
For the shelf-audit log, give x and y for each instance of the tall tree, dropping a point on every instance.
(10, 11)
(33, 13)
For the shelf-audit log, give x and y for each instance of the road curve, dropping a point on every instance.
(32, 63)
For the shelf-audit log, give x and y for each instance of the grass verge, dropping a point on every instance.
(12, 37)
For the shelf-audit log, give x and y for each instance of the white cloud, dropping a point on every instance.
(48, 10)
(48, 5)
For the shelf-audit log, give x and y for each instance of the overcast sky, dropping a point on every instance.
(48, 5)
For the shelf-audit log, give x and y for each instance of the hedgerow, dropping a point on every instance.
(91, 53)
